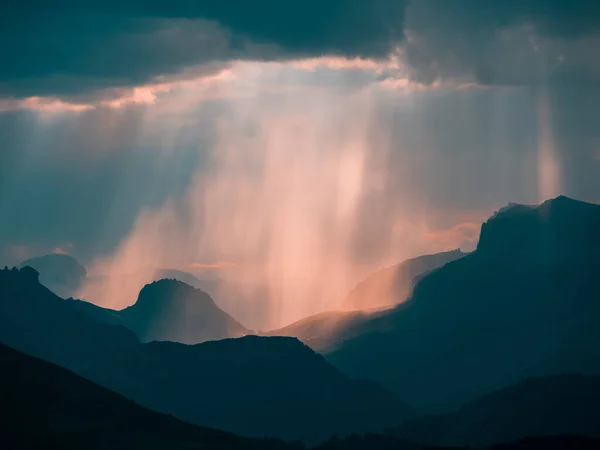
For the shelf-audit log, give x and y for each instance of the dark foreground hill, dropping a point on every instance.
(46, 406)
(526, 303)
(561, 404)
(254, 386)
(386, 442)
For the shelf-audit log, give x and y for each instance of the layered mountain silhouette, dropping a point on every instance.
(166, 311)
(254, 386)
(46, 406)
(122, 289)
(62, 274)
(325, 332)
(169, 310)
(249, 303)
(370, 299)
(391, 286)
(525, 303)
(561, 404)
(387, 442)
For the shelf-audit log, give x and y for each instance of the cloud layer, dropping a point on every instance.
(102, 48)
(509, 42)
(91, 50)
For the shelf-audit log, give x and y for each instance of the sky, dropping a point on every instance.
(297, 144)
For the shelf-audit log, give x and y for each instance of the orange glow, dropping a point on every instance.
(549, 176)
(463, 235)
(215, 265)
(42, 105)
(297, 192)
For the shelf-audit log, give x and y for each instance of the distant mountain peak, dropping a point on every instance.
(392, 285)
(562, 201)
(558, 228)
(255, 386)
(62, 274)
(170, 289)
(172, 310)
(56, 258)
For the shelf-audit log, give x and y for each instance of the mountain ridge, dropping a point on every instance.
(522, 304)
(171, 310)
(391, 285)
(47, 405)
(558, 404)
(253, 386)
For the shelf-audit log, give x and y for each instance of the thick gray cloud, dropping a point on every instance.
(104, 47)
(91, 46)
(512, 42)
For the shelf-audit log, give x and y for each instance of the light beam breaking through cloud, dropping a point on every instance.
(283, 197)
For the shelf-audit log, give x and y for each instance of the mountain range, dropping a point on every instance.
(495, 345)
(254, 386)
(46, 406)
(248, 302)
(169, 310)
(372, 298)
(558, 404)
(391, 286)
(523, 304)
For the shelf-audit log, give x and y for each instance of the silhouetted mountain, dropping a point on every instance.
(46, 406)
(386, 442)
(255, 386)
(562, 404)
(325, 332)
(174, 274)
(248, 303)
(106, 315)
(558, 231)
(524, 304)
(62, 274)
(170, 310)
(36, 321)
(564, 442)
(369, 442)
(123, 289)
(391, 286)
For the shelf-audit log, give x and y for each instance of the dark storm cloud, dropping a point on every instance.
(90, 46)
(96, 46)
(507, 42)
